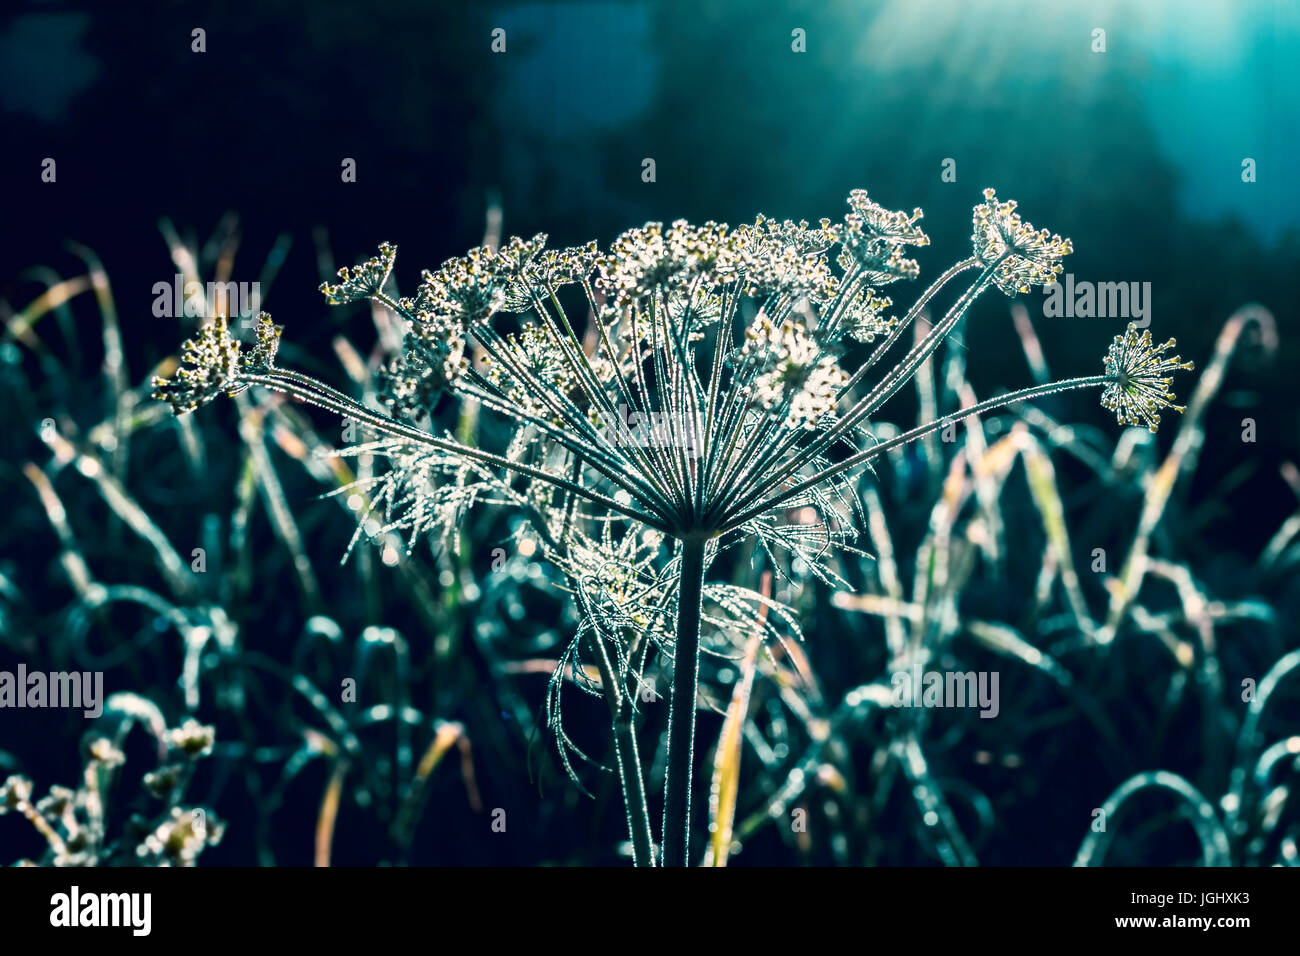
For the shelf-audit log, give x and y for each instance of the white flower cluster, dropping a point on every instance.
(468, 290)
(793, 374)
(651, 258)
(874, 239)
(363, 281)
(1140, 376)
(1022, 256)
(211, 363)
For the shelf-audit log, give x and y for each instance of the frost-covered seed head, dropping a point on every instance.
(651, 258)
(1140, 374)
(363, 281)
(874, 238)
(14, 792)
(1022, 256)
(210, 364)
(266, 343)
(467, 291)
(192, 739)
(792, 367)
(863, 316)
(427, 368)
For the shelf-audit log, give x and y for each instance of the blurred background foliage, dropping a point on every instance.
(227, 164)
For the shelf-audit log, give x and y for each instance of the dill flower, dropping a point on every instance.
(209, 366)
(792, 371)
(1139, 376)
(744, 368)
(1021, 256)
(192, 739)
(874, 237)
(14, 792)
(363, 281)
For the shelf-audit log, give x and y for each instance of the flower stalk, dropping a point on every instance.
(681, 710)
(722, 384)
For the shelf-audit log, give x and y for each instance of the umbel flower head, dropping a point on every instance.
(1020, 255)
(790, 365)
(874, 238)
(363, 281)
(467, 291)
(212, 362)
(703, 384)
(1139, 374)
(734, 361)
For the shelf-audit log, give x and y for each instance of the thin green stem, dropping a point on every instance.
(681, 711)
(631, 778)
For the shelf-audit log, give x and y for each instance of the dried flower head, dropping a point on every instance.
(1021, 256)
(552, 269)
(363, 281)
(266, 343)
(179, 839)
(783, 259)
(411, 383)
(651, 259)
(1139, 374)
(793, 376)
(14, 793)
(210, 363)
(863, 318)
(467, 291)
(192, 739)
(874, 237)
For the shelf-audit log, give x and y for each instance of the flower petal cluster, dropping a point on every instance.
(791, 371)
(363, 281)
(467, 291)
(210, 363)
(1140, 374)
(874, 239)
(1022, 256)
